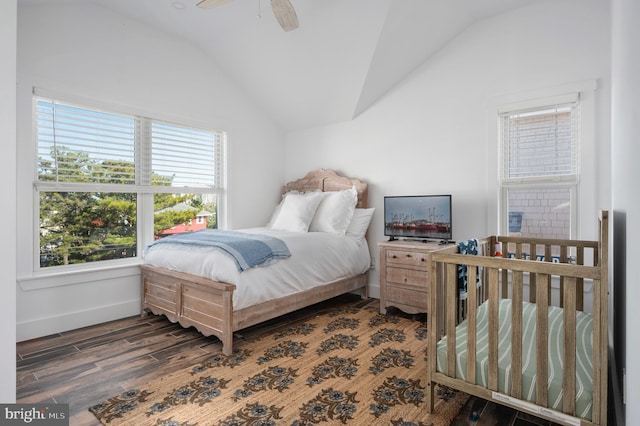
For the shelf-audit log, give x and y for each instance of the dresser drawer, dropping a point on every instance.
(404, 276)
(407, 297)
(407, 258)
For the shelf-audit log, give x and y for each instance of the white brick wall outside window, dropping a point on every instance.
(539, 173)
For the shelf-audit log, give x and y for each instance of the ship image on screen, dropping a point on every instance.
(418, 217)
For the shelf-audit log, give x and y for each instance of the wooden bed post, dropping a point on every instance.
(227, 325)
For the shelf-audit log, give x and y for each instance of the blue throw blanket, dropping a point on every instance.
(247, 250)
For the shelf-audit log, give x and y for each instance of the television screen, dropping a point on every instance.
(418, 217)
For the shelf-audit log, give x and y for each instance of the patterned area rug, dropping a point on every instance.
(349, 365)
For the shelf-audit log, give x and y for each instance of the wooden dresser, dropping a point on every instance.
(404, 274)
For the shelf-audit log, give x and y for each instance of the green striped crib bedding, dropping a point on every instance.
(584, 349)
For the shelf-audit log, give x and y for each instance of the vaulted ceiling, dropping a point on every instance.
(345, 55)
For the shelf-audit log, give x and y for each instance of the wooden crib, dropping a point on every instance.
(500, 328)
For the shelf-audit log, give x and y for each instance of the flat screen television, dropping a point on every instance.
(421, 217)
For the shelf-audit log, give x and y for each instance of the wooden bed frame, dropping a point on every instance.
(207, 305)
(503, 278)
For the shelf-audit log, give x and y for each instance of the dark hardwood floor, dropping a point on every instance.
(85, 366)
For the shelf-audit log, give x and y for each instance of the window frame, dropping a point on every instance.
(143, 188)
(569, 181)
(593, 116)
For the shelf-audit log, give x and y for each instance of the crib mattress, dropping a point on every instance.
(584, 350)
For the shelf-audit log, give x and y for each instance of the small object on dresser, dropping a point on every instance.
(497, 249)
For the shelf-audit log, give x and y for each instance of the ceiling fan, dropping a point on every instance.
(282, 9)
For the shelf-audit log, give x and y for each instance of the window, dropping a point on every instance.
(96, 168)
(539, 174)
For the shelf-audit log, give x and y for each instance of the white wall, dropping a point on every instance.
(90, 52)
(626, 204)
(431, 134)
(8, 214)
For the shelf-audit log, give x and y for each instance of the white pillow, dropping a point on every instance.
(276, 211)
(360, 223)
(296, 211)
(335, 211)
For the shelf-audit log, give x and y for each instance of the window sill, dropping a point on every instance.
(47, 279)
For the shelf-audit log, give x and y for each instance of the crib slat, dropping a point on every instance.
(564, 254)
(542, 339)
(494, 299)
(472, 303)
(547, 253)
(569, 352)
(516, 336)
(436, 297)
(451, 293)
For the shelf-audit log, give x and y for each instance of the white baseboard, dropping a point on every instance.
(72, 320)
(66, 321)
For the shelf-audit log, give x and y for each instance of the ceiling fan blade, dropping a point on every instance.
(210, 4)
(285, 14)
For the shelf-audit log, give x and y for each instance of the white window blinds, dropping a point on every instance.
(80, 147)
(190, 156)
(540, 142)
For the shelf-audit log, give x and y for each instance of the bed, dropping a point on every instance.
(329, 257)
(540, 297)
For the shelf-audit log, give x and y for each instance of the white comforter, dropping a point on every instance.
(316, 258)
